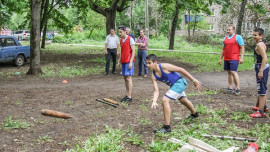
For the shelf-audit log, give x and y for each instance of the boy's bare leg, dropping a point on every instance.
(257, 104)
(235, 79)
(128, 83)
(188, 104)
(262, 102)
(230, 79)
(166, 110)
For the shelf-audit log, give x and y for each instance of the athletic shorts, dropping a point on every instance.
(177, 91)
(262, 83)
(126, 71)
(231, 65)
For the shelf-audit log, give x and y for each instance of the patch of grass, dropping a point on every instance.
(69, 103)
(134, 139)
(158, 146)
(9, 123)
(143, 107)
(204, 62)
(145, 121)
(240, 116)
(111, 141)
(69, 71)
(208, 92)
(43, 139)
(99, 60)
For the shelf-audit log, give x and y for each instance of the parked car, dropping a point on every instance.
(12, 50)
(22, 35)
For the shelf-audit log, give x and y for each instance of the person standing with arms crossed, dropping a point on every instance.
(111, 50)
(127, 58)
(233, 46)
(262, 70)
(142, 43)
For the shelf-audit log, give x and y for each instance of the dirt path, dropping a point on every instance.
(22, 97)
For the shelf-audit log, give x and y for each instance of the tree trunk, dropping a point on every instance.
(174, 25)
(44, 35)
(195, 22)
(188, 23)
(169, 29)
(91, 31)
(110, 20)
(35, 38)
(241, 17)
(44, 15)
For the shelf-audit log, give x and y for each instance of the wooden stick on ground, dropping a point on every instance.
(111, 101)
(233, 138)
(111, 104)
(57, 114)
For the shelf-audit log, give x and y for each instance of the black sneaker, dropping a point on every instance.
(192, 116)
(237, 92)
(126, 98)
(113, 72)
(106, 73)
(163, 130)
(229, 90)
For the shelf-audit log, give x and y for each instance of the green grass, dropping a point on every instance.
(9, 124)
(53, 70)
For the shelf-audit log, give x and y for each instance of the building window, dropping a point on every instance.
(210, 27)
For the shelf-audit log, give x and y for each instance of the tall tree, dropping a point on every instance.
(174, 25)
(108, 8)
(241, 17)
(35, 38)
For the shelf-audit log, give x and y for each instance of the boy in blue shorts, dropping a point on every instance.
(262, 70)
(168, 74)
(127, 60)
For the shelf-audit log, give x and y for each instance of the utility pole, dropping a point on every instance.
(146, 19)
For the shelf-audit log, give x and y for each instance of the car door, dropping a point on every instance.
(2, 50)
(10, 49)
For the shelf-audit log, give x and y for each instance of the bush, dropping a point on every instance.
(202, 38)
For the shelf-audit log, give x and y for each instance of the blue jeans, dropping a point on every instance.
(142, 60)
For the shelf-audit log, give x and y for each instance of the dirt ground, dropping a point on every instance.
(22, 97)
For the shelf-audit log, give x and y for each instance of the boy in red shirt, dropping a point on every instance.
(233, 46)
(127, 60)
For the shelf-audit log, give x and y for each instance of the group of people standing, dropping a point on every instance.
(233, 53)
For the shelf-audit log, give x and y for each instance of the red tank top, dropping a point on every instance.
(231, 49)
(126, 50)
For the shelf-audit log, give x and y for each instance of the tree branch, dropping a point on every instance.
(97, 8)
(122, 7)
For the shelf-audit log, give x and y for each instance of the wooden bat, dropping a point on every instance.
(227, 137)
(57, 114)
(111, 104)
(111, 101)
(202, 145)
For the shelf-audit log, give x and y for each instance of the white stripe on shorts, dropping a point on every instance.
(174, 95)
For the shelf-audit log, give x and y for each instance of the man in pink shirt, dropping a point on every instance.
(142, 43)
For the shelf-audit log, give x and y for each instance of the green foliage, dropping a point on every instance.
(69, 71)
(109, 141)
(9, 123)
(158, 146)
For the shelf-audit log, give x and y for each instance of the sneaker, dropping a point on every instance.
(257, 115)
(113, 72)
(192, 116)
(145, 76)
(237, 92)
(139, 75)
(163, 130)
(126, 98)
(229, 90)
(106, 73)
(257, 108)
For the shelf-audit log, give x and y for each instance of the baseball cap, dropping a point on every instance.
(122, 27)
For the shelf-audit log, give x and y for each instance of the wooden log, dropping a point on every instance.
(111, 101)
(233, 138)
(57, 114)
(111, 104)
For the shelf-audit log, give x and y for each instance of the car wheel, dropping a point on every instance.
(19, 60)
